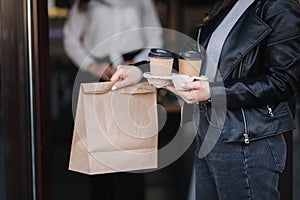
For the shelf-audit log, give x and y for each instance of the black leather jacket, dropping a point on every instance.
(259, 68)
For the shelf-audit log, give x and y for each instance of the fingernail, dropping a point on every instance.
(114, 88)
(182, 84)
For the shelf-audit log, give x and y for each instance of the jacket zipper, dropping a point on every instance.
(270, 111)
(246, 136)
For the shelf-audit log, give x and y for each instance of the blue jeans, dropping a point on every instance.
(238, 171)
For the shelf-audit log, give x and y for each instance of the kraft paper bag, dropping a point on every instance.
(114, 131)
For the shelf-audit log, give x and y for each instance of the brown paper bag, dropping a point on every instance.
(114, 131)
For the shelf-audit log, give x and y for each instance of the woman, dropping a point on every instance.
(91, 41)
(98, 22)
(258, 72)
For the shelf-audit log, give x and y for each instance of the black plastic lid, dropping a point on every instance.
(160, 53)
(190, 55)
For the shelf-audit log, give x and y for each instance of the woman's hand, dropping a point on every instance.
(197, 91)
(103, 70)
(126, 75)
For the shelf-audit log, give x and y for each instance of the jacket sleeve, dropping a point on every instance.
(281, 61)
(73, 32)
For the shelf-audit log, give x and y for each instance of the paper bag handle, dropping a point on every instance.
(104, 87)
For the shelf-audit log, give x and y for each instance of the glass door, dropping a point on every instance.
(24, 100)
(15, 132)
(2, 184)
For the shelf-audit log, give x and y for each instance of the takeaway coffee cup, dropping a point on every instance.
(190, 63)
(161, 62)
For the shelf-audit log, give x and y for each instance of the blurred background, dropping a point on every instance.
(170, 183)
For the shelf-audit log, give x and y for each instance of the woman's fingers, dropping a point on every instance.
(195, 91)
(119, 74)
(120, 84)
(191, 85)
(126, 75)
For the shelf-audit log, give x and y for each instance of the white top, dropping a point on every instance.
(101, 30)
(218, 37)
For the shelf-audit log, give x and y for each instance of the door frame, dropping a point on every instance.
(25, 82)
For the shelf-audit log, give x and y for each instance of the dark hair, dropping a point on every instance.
(210, 15)
(82, 6)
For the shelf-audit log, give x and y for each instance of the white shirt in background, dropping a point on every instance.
(94, 33)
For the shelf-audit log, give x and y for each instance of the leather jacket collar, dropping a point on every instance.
(233, 52)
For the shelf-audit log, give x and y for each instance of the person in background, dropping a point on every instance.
(258, 64)
(92, 22)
